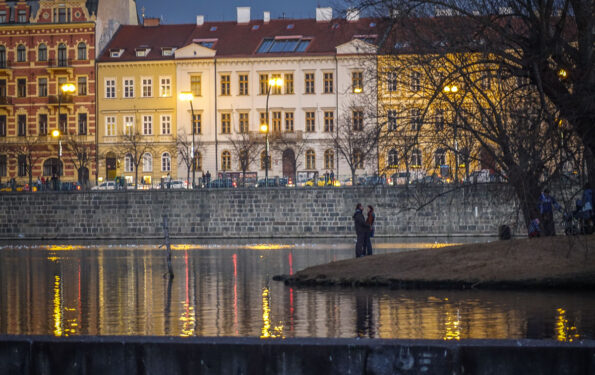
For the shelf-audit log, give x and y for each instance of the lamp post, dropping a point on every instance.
(265, 128)
(453, 89)
(66, 88)
(188, 95)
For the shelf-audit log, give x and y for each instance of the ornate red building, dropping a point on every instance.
(43, 45)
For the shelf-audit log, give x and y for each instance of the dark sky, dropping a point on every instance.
(185, 11)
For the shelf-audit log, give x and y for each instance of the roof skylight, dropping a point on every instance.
(273, 45)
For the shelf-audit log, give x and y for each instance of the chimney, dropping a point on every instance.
(200, 20)
(352, 15)
(243, 14)
(150, 22)
(324, 14)
(266, 18)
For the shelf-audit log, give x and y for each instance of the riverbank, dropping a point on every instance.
(549, 262)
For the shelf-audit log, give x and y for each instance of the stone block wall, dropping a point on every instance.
(275, 212)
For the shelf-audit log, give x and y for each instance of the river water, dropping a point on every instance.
(224, 288)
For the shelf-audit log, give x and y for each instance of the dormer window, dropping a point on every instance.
(213, 28)
(167, 51)
(290, 26)
(366, 38)
(399, 45)
(116, 52)
(22, 16)
(142, 52)
(209, 43)
(284, 44)
(255, 27)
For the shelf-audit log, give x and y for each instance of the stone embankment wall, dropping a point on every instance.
(29, 355)
(275, 212)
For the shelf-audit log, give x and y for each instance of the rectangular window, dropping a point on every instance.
(43, 124)
(276, 90)
(22, 160)
(63, 122)
(244, 122)
(391, 120)
(263, 83)
(2, 125)
(329, 121)
(392, 82)
(3, 165)
(128, 125)
(357, 82)
(42, 87)
(82, 124)
(225, 85)
(310, 122)
(22, 16)
(22, 125)
(243, 84)
(22, 87)
(288, 83)
(165, 124)
(328, 83)
(3, 16)
(289, 122)
(415, 118)
(147, 84)
(2, 87)
(165, 87)
(82, 85)
(226, 123)
(309, 83)
(439, 120)
(196, 84)
(128, 88)
(415, 81)
(276, 121)
(147, 125)
(110, 88)
(197, 122)
(264, 118)
(358, 120)
(110, 126)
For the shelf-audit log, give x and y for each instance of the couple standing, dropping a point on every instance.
(364, 229)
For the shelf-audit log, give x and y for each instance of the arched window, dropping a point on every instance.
(50, 167)
(42, 52)
(147, 162)
(358, 159)
(310, 159)
(393, 159)
(165, 162)
(197, 161)
(329, 159)
(128, 165)
(226, 161)
(21, 53)
(82, 51)
(263, 158)
(62, 55)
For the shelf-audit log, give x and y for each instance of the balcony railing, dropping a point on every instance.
(55, 99)
(59, 63)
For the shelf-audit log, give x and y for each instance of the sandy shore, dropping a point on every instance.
(552, 262)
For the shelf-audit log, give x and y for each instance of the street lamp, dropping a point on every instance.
(265, 128)
(66, 88)
(453, 89)
(188, 95)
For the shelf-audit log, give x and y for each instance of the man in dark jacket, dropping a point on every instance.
(361, 229)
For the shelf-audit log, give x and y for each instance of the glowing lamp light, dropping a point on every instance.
(264, 128)
(357, 90)
(276, 82)
(55, 133)
(562, 73)
(68, 88)
(452, 88)
(186, 95)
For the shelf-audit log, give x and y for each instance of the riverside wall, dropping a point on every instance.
(32, 355)
(475, 210)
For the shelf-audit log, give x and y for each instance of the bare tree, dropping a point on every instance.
(80, 155)
(245, 148)
(184, 151)
(135, 146)
(549, 43)
(30, 148)
(297, 142)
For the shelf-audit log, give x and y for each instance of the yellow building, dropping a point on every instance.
(136, 96)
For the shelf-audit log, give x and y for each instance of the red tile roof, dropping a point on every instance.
(241, 40)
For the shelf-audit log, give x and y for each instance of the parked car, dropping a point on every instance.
(374, 180)
(319, 182)
(178, 184)
(107, 185)
(70, 186)
(429, 180)
(273, 182)
(222, 183)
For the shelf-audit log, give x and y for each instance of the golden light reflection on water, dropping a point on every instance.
(565, 331)
(267, 332)
(57, 306)
(452, 326)
(414, 245)
(269, 246)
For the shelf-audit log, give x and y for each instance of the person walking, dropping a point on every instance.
(361, 230)
(547, 203)
(371, 216)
